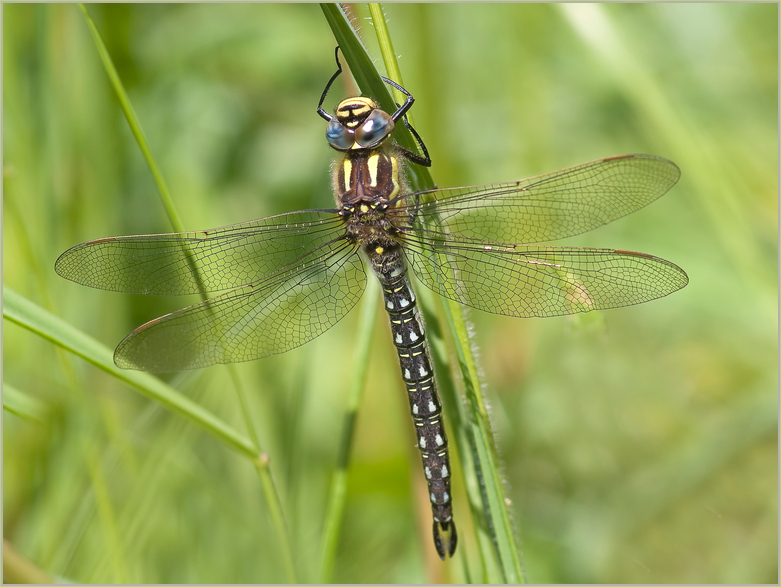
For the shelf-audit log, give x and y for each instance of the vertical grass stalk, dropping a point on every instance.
(473, 436)
(356, 385)
(261, 461)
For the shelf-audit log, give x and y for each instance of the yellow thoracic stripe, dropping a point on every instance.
(395, 175)
(372, 163)
(348, 169)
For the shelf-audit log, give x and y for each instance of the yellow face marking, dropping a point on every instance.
(364, 208)
(358, 102)
(354, 110)
(373, 163)
(348, 170)
(379, 251)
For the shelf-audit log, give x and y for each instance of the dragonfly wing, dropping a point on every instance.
(535, 280)
(547, 207)
(274, 315)
(201, 261)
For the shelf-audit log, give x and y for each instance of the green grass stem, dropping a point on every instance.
(369, 81)
(338, 490)
(108, 519)
(27, 314)
(484, 462)
(260, 463)
(133, 122)
(476, 440)
(484, 457)
(23, 405)
(19, 569)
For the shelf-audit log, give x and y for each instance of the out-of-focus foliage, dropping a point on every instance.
(639, 444)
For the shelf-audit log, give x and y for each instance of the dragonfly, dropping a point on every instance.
(284, 280)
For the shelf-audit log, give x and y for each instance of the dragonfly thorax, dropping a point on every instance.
(372, 177)
(368, 224)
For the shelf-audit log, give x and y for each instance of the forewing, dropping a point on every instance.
(274, 315)
(192, 262)
(543, 208)
(535, 280)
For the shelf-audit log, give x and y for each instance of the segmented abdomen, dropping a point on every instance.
(410, 341)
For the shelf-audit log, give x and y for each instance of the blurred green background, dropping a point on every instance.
(639, 444)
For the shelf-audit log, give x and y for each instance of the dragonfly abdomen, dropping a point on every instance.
(410, 341)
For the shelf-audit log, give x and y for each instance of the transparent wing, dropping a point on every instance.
(280, 312)
(535, 280)
(227, 257)
(543, 208)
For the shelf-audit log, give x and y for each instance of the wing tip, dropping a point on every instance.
(676, 171)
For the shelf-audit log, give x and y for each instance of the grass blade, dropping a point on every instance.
(23, 405)
(132, 120)
(484, 462)
(19, 569)
(498, 524)
(474, 441)
(26, 314)
(338, 490)
(368, 79)
(261, 463)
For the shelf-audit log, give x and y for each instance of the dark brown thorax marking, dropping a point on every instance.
(366, 177)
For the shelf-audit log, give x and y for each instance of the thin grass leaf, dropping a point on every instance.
(356, 386)
(451, 392)
(388, 54)
(26, 314)
(261, 464)
(18, 569)
(268, 486)
(484, 461)
(108, 519)
(474, 437)
(132, 120)
(369, 81)
(23, 405)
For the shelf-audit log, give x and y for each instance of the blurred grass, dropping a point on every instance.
(638, 446)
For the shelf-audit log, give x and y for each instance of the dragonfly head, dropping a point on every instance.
(359, 124)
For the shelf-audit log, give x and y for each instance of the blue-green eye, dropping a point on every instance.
(338, 136)
(376, 127)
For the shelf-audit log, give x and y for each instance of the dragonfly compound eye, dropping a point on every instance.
(339, 137)
(375, 128)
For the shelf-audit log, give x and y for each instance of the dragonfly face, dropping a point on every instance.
(284, 280)
(359, 124)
